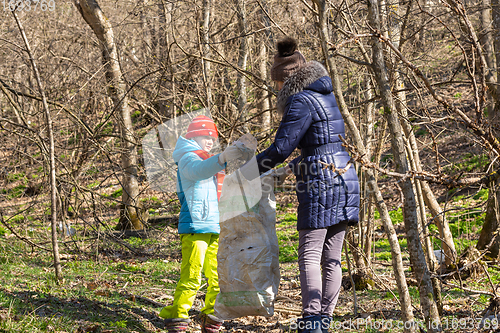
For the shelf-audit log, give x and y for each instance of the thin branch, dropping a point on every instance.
(488, 137)
(24, 239)
(421, 175)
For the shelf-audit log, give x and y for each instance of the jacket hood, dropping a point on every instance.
(306, 77)
(184, 146)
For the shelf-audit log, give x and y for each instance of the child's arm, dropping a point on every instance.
(193, 167)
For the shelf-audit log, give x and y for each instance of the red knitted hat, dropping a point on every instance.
(202, 126)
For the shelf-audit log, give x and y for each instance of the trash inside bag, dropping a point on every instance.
(248, 264)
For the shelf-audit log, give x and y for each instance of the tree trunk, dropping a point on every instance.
(495, 16)
(492, 218)
(488, 45)
(242, 59)
(417, 257)
(162, 31)
(263, 67)
(423, 189)
(131, 216)
(205, 47)
(491, 224)
(368, 138)
(263, 95)
(52, 160)
(397, 262)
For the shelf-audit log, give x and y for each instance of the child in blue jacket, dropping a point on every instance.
(199, 182)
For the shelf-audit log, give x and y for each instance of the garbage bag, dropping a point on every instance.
(248, 264)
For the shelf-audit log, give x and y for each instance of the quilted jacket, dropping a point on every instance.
(196, 189)
(312, 122)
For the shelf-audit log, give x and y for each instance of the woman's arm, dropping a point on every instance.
(293, 126)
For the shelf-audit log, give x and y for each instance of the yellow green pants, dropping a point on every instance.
(199, 254)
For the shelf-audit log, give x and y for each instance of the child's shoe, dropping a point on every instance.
(177, 325)
(210, 323)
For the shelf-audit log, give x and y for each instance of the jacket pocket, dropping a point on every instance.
(198, 210)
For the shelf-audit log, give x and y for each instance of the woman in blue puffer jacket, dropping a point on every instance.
(328, 201)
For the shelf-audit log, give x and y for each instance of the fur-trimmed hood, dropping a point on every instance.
(298, 81)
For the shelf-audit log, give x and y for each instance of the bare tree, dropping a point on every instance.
(417, 257)
(205, 50)
(51, 154)
(489, 233)
(131, 216)
(397, 261)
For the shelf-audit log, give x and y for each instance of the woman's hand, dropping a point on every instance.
(281, 174)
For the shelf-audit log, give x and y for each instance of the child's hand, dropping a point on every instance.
(229, 154)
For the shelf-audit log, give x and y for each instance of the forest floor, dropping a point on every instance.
(120, 286)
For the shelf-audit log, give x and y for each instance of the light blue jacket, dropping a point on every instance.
(196, 189)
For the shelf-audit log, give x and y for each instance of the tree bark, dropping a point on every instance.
(242, 59)
(52, 160)
(263, 95)
(417, 257)
(131, 216)
(263, 56)
(368, 138)
(495, 16)
(205, 47)
(487, 40)
(491, 224)
(492, 218)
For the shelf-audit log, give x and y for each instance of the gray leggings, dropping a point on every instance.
(320, 251)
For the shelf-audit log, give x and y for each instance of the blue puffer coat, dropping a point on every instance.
(196, 189)
(312, 122)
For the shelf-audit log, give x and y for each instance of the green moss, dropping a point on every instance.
(92, 171)
(12, 177)
(468, 163)
(386, 255)
(117, 193)
(396, 216)
(482, 194)
(413, 291)
(94, 184)
(288, 237)
(16, 192)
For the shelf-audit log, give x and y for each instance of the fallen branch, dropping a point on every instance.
(133, 298)
(467, 289)
(287, 311)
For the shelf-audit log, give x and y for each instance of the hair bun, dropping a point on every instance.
(286, 46)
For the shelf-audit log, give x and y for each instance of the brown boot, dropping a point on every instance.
(210, 323)
(177, 325)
